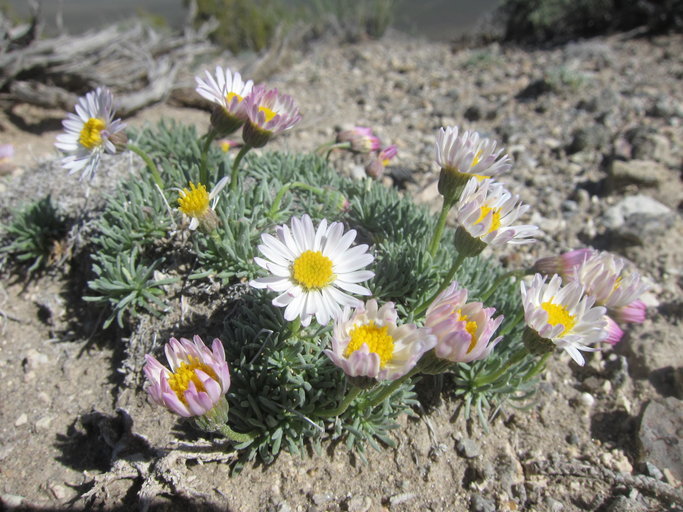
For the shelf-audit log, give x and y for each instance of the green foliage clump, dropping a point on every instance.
(536, 21)
(35, 233)
(242, 24)
(282, 384)
(253, 25)
(356, 19)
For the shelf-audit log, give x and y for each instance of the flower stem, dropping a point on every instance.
(235, 166)
(440, 225)
(203, 172)
(150, 164)
(341, 408)
(328, 147)
(381, 394)
(516, 358)
(235, 436)
(449, 278)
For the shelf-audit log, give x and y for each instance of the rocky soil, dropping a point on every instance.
(596, 132)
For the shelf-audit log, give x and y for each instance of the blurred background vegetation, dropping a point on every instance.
(254, 25)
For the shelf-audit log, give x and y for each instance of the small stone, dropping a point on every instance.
(573, 439)
(33, 360)
(624, 504)
(552, 505)
(586, 400)
(660, 435)
(359, 504)
(639, 172)
(401, 498)
(651, 470)
(11, 500)
(636, 219)
(43, 423)
(283, 506)
(322, 498)
(44, 397)
(21, 420)
(481, 504)
(468, 448)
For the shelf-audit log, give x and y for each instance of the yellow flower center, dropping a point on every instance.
(495, 217)
(378, 340)
(270, 114)
(470, 327)
(312, 270)
(225, 146)
(195, 201)
(180, 380)
(91, 133)
(232, 95)
(558, 314)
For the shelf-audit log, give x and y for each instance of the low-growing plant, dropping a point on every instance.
(336, 295)
(35, 235)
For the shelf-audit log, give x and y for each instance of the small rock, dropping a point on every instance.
(573, 439)
(401, 498)
(481, 504)
(322, 498)
(21, 420)
(586, 400)
(468, 448)
(639, 172)
(651, 470)
(624, 504)
(359, 504)
(283, 506)
(552, 505)
(588, 137)
(11, 500)
(636, 218)
(661, 435)
(43, 423)
(33, 360)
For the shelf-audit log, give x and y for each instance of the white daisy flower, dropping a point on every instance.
(468, 153)
(486, 211)
(313, 268)
(563, 315)
(89, 132)
(228, 91)
(462, 156)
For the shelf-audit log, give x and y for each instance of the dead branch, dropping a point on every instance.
(138, 63)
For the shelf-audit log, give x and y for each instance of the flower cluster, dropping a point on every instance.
(362, 140)
(316, 270)
(608, 280)
(263, 112)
